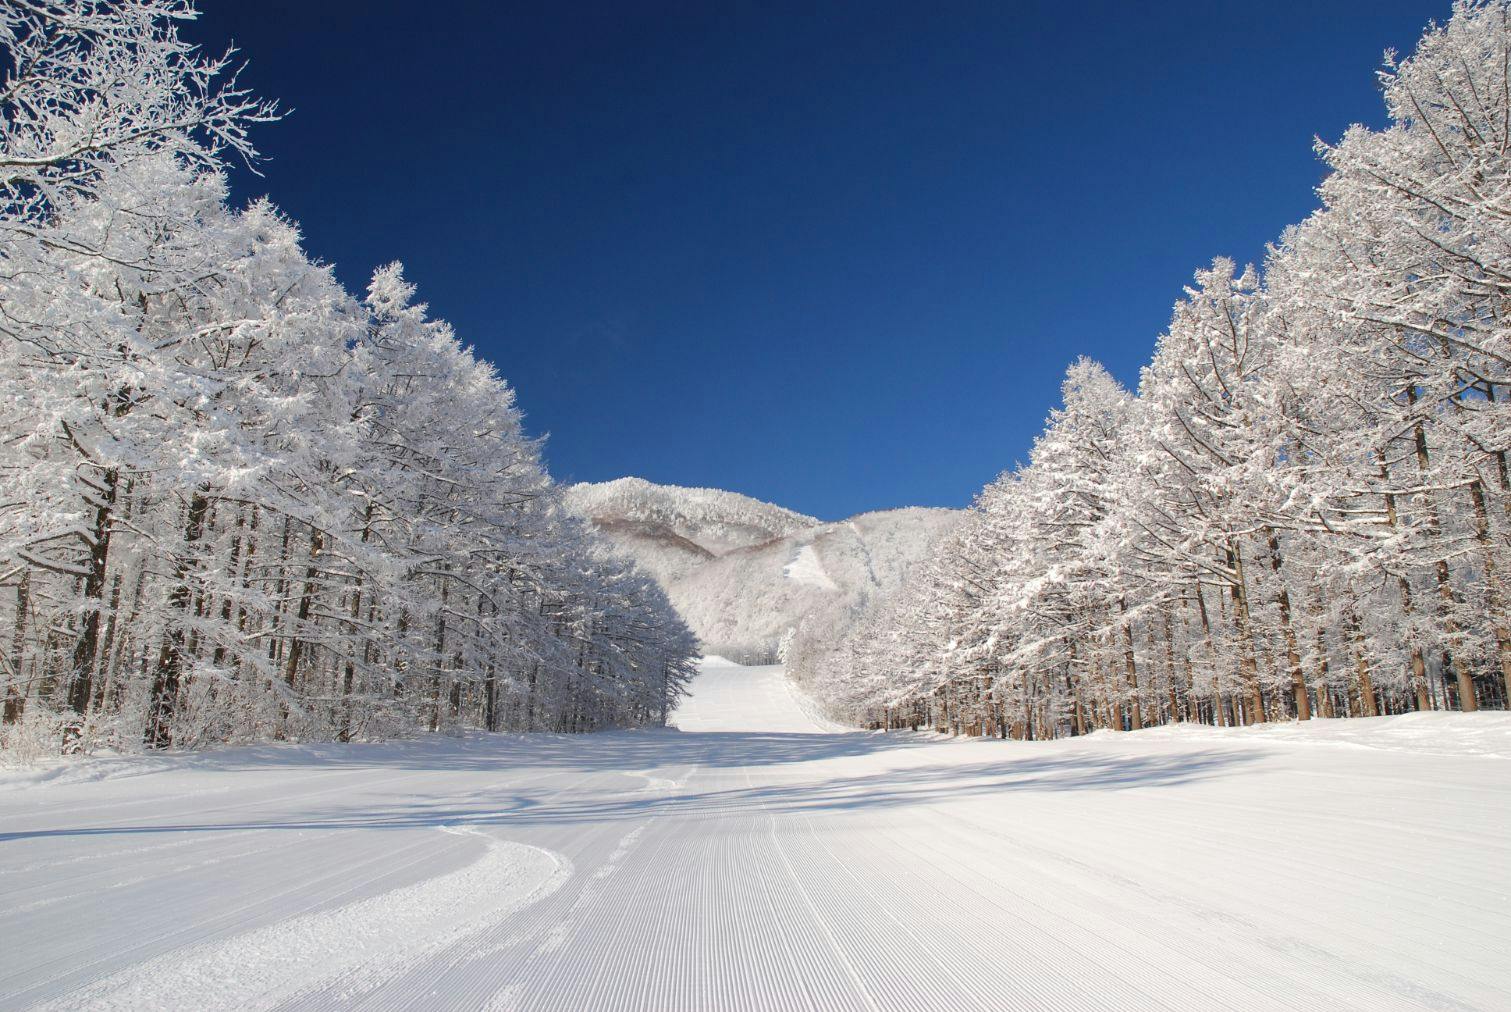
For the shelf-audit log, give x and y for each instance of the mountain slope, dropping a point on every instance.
(742, 603)
(711, 518)
(744, 573)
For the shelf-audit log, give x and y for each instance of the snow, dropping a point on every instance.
(744, 574)
(730, 698)
(806, 567)
(754, 857)
(818, 581)
(712, 519)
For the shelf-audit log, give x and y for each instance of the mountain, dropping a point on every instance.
(744, 573)
(672, 530)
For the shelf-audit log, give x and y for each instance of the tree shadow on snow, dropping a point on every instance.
(595, 784)
(492, 753)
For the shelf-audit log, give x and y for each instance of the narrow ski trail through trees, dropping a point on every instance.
(756, 858)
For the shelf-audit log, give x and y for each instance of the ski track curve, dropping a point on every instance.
(354, 947)
(755, 857)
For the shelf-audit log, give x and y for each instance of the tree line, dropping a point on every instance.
(1303, 509)
(239, 501)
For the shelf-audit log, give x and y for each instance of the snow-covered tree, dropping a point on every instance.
(240, 502)
(1306, 509)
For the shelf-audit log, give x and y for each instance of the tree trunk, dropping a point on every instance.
(1136, 713)
(1248, 660)
(15, 694)
(1073, 683)
(1454, 656)
(104, 672)
(440, 655)
(1292, 650)
(163, 701)
(302, 613)
(1206, 632)
(1493, 590)
(1418, 665)
(87, 648)
(1365, 683)
(1324, 693)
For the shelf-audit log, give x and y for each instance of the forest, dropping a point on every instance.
(241, 502)
(1304, 508)
(244, 503)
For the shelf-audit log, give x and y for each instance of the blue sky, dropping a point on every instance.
(837, 259)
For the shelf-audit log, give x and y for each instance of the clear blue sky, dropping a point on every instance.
(838, 259)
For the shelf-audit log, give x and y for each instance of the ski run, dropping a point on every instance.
(753, 856)
(303, 642)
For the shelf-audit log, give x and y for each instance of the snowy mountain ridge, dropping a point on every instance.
(711, 518)
(743, 573)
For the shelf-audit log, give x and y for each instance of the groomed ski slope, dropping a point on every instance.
(758, 859)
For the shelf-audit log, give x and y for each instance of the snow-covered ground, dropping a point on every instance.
(757, 859)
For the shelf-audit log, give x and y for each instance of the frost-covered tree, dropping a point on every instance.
(240, 502)
(1305, 510)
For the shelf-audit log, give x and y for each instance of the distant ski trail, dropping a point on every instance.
(756, 858)
(807, 567)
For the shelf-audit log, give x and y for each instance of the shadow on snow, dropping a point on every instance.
(584, 779)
